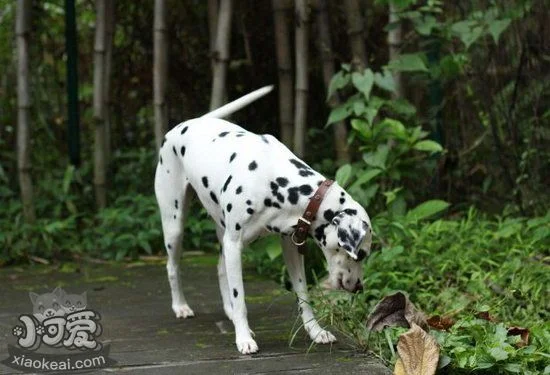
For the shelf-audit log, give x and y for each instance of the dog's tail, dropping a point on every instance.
(235, 105)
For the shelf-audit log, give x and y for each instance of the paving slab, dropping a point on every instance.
(146, 338)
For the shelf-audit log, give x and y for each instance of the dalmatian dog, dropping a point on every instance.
(252, 185)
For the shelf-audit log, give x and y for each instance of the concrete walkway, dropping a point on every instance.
(146, 338)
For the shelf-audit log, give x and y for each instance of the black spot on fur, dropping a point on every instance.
(250, 211)
(174, 149)
(293, 195)
(235, 293)
(252, 166)
(276, 230)
(222, 223)
(268, 202)
(299, 280)
(169, 246)
(342, 193)
(232, 157)
(320, 232)
(175, 217)
(268, 227)
(342, 200)
(306, 189)
(237, 226)
(240, 134)
(160, 160)
(182, 151)
(264, 139)
(249, 202)
(350, 211)
(239, 190)
(229, 207)
(282, 181)
(176, 204)
(361, 255)
(280, 198)
(303, 169)
(223, 134)
(163, 141)
(329, 215)
(227, 183)
(213, 196)
(205, 181)
(276, 205)
(183, 130)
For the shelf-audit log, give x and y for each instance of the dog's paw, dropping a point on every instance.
(183, 311)
(247, 346)
(323, 337)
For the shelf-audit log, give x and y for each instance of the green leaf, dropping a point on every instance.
(363, 82)
(498, 354)
(377, 158)
(385, 81)
(427, 209)
(338, 81)
(394, 127)
(425, 26)
(273, 249)
(338, 114)
(362, 127)
(343, 174)
(402, 107)
(412, 62)
(428, 146)
(497, 27)
(365, 177)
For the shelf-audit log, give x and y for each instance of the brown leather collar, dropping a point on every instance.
(299, 235)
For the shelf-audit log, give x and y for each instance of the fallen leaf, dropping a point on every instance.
(399, 369)
(441, 323)
(485, 316)
(395, 310)
(418, 352)
(522, 332)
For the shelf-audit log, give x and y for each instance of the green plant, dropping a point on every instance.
(457, 269)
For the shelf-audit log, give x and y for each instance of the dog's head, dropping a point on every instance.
(346, 242)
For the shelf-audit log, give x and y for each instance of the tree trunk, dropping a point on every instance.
(302, 84)
(281, 11)
(325, 47)
(22, 30)
(160, 71)
(394, 45)
(356, 33)
(109, 31)
(221, 54)
(213, 7)
(99, 104)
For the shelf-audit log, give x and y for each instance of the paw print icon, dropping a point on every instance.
(18, 331)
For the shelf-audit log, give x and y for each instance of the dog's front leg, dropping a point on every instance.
(295, 265)
(232, 248)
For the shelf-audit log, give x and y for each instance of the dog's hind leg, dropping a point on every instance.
(222, 276)
(173, 194)
(295, 266)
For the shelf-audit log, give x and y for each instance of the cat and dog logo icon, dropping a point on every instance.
(63, 321)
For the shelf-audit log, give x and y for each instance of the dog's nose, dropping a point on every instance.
(358, 287)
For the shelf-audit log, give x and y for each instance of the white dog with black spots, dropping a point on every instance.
(253, 185)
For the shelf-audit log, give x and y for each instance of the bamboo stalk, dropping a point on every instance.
(98, 106)
(22, 31)
(160, 71)
(302, 82)
(356, 33)
(394, 46)
(213, 7)
(107, 102)
(221, 54)
(325, 47)
(281, 10)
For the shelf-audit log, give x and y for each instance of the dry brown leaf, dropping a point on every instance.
(395, 310)
(399, 369)
(418, 351)
(485, 316)
(522, 332)
(441, 323)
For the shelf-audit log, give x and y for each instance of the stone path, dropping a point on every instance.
(146, 338)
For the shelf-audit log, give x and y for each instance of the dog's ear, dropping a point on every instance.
(58, 292)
